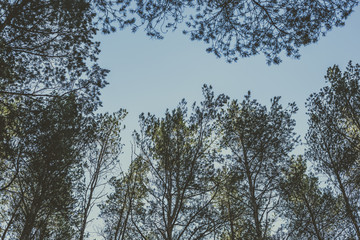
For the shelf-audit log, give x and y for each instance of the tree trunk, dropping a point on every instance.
(253, 200)
(313, 220)
(348, 207)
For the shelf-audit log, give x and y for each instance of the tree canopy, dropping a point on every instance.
(217, 170)
(333, 138)
(233, 29)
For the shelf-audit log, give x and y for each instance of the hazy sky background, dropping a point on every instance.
(150, 75)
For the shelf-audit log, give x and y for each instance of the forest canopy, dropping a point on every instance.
(231, 29)
(219, 169)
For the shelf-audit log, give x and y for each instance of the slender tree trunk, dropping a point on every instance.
(118, 225)
(126, 218)
(169, 214)
(348, 207)
(29, 221)
(120, 230)
(94, 179)
(230, 215)
(313, 220)
(87, 208)
(253, 200)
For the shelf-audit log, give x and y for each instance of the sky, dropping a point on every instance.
(149, 75)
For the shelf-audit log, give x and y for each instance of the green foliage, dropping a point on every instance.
(310, 212)
(8, 149)
(236, 29)
(180, 151)
(333, 137)
(101, 158)
(55, 152)
(40, 30)
(49, 88)
(230, 213)
(48, 137)
(172, 199)
(46, 48)
(126, 205)
(259, 141)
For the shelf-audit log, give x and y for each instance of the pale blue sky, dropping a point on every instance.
(152, 75)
